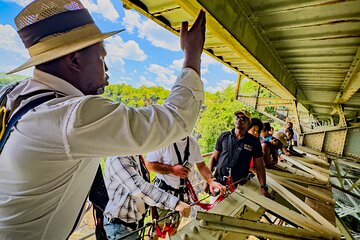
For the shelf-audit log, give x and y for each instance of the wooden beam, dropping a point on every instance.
(303, 167)
(288, 167)
(285, 212)
(265, 230)
(345, 191)
(300, 179)
(300, 205)
(303, 190)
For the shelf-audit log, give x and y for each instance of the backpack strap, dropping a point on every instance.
(17, 116)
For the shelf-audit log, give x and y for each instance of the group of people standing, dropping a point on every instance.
(250, 146)
(57, 129)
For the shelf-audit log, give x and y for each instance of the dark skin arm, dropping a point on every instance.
(266, 153)
(213, 159)
(206, 174)
(261, 174)
(212, 163)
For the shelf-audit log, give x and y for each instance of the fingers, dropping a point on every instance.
(200, 20)
(183, 32)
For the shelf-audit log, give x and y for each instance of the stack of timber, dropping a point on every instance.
(301, 206)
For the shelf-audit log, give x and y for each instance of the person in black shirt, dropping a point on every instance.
(234, 150)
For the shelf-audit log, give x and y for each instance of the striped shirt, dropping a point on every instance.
(129, 192)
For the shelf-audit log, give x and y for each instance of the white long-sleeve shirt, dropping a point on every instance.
(51, 157)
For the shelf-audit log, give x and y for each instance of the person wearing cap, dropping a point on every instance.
(233, 152)
(270, 148)
(50, 159)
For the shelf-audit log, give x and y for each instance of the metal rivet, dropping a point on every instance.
(185, 237)
(203, 222)
(195, 229)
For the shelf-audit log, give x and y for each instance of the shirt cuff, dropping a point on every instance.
(191, 80)
(173, 202)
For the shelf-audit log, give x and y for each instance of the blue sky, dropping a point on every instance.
(144, 54)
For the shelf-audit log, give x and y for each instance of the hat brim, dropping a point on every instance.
(242, 112)
(63, 50)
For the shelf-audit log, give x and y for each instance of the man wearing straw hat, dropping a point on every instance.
(52, 154)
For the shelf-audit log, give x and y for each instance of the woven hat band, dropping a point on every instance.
(59, 23)
(77, 35)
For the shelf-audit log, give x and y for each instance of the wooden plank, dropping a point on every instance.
(300, 205)
(327, 211)
(191, 231)
(303, 190)
(303, 167)
(296, 178)
(313, 161)
(292, 216)
(288, 167)
(321, 170)
(265, 230)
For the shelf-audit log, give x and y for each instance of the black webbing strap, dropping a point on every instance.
(17, 116)
(233, 155)
(181, 162)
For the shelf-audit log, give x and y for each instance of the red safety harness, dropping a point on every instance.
(189, 190)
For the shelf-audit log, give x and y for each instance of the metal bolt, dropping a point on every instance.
(195, 229)
(203, 222)
(185, 237)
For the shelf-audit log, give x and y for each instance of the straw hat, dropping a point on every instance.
(51, 29)
(281, 137)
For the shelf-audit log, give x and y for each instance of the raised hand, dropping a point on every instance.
(192, 41)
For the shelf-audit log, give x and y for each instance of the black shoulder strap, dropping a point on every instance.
(186, 152)
(181, 162)
(16, 117)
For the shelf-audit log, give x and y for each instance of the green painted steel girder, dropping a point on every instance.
(235, 17)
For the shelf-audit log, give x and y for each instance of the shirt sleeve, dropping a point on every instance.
(197, 153)
(257, 149)
(154, 156)
(123, 171)
(218, 145)
(95, 126)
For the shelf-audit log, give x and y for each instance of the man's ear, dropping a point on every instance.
(72, 60)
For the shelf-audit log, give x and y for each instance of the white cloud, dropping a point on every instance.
(118, 49)
(155, 34)
(177, 64)
(205, 81)
(22, 3)
(103, 7)
(11, 42)
(227, 69)
(163, 75)
(221, 85)
(144, 81)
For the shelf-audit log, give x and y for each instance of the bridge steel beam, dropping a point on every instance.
(337, 141)
(248, 43)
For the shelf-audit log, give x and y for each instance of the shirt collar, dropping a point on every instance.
(56, 83)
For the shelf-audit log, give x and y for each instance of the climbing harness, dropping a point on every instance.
(230, 188)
